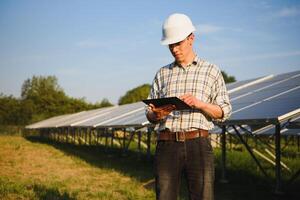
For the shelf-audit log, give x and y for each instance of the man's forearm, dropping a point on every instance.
(214, 111)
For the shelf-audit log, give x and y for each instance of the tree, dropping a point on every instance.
(136, 94)
(39, 86)
(42, 98)
(104, 103)
(9, 107)
(227, 78)
(45, 97)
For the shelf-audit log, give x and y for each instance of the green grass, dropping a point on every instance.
(41, 169)
(37, 170)
(27, 190)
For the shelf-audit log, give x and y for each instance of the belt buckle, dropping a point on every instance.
(177, 137)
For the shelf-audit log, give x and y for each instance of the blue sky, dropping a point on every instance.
(101, 49)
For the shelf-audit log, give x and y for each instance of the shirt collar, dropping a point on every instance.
(194, 62)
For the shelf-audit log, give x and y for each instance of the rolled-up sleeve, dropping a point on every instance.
(153, 92)
(221, 97)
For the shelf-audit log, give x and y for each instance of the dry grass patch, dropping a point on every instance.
(28, 167)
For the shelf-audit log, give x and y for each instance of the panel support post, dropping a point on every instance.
(278, 187)
(149, 143)
(139, 141)
(223, 146)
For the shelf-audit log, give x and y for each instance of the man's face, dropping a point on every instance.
(182, 49)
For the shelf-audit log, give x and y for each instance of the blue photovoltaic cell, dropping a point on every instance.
(236, 84)
(274, 82)
(269, 109)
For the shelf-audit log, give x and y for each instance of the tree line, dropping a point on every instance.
(42, 98)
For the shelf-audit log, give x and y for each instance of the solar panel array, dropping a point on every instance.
(124, 115)
(261, 99)
(276, 98)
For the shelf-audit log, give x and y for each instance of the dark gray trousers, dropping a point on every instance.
(193, 158)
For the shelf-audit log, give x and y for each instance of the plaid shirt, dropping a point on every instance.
(201, 79)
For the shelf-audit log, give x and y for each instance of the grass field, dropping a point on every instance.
(35, 169)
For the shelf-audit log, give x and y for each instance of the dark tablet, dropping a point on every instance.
(180, 105)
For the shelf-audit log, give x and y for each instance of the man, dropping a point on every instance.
(183, 146)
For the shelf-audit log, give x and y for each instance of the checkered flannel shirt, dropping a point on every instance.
(201, 79)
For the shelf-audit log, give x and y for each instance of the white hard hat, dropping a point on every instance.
(176, 28)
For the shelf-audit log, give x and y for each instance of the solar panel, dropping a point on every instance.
(82, 117)
(270, 83)
(267, 100)
(236, 86)
(135, 119)
(262, 99)
(119, 113)
(51, 122)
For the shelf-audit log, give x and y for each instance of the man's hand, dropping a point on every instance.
(190, 100)
(214, 111)
(158, 113)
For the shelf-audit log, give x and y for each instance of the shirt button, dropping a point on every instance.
(176, 112)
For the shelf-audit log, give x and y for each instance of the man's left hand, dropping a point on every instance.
(214, 111)
(190, 100)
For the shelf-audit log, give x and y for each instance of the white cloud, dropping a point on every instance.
(288, 12)
(282, 13)
(208, 28)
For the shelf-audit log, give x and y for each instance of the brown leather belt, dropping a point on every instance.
(182, 136)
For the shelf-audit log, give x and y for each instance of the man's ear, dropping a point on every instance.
(191, 37)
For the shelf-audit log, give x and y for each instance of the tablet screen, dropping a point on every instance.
(180, 105)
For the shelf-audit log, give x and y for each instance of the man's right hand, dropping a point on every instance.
(157, 113)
